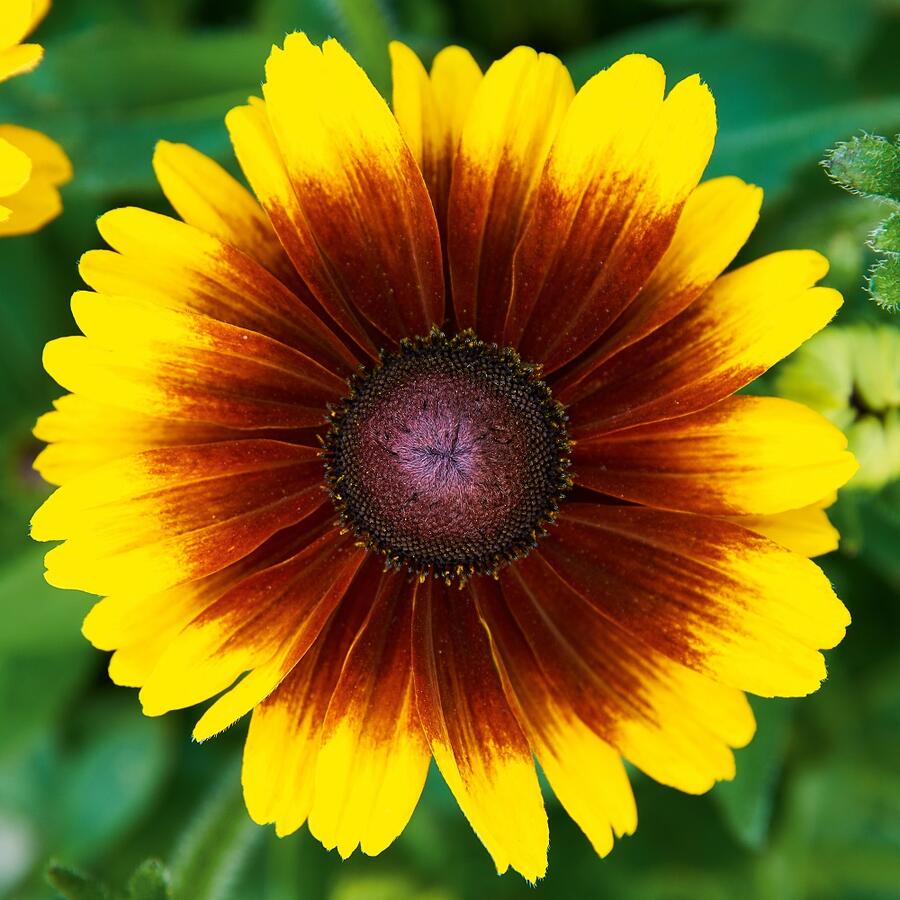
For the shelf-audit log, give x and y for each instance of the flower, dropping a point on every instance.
(851, 374)
(558, 533)
(32, 167)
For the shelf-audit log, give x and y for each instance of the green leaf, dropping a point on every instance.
(134, 69)
(769, 152)
(879, 520)
(278, 17)
(111, 779)
(150, 881)
(75, 885)
(868, 165)
(836, 28)
(747, 802)
(216, 846)
(886, 237)
(385, 886)
(840, 830)
(142, 86)
(112, 153)
(884, 283)
(33, 309)
(46, 617)
(35, 689)
(44, 659)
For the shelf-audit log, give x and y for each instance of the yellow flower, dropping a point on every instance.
(32, 167)
(429, 449)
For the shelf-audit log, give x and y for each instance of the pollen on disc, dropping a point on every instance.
(449, 457)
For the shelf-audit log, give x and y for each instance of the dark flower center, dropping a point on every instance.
(450, 456)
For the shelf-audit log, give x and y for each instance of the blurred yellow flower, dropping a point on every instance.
(32, 167)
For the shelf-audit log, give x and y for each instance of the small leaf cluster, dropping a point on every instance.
(150, 881)
(869, 165)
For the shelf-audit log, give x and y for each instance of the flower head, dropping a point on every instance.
(429, 450)
(32, 167)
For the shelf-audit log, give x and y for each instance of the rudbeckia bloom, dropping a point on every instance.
(430, 449)
(32, 167)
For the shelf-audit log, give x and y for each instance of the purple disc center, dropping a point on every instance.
(448, 457)
(442, 459)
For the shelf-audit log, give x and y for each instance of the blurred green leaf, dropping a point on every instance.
(216, 846)
(74, 885)
(150, 881)
(142, 86)
(43, 657)
(279, 17)
(134, 69)
(880, 523)
(386, 886)
(841, 831)
(747, 802)
(770, 152)
(46, 618)
(33, 308)
(110, 779)
(835, 27)
(35, 688)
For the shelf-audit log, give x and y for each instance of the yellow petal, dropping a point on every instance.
(364, 228)
(373, 760)
(617, 177)
(167, 516)
(15, 169)
(48, 158)
(188, 367)
(677, 725)
(585, 772)
(515, 114)
(82, 434)
(431, 111)
(181, 267)
(806, 531)
(733, 605)
(716, 222)
(284, 738)
(207, 197)
(744, 455)
(744, 323)
(17, 20)
(475, 737)
(262, 626)
(37, 200)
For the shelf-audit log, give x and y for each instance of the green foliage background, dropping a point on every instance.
(86, 780)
